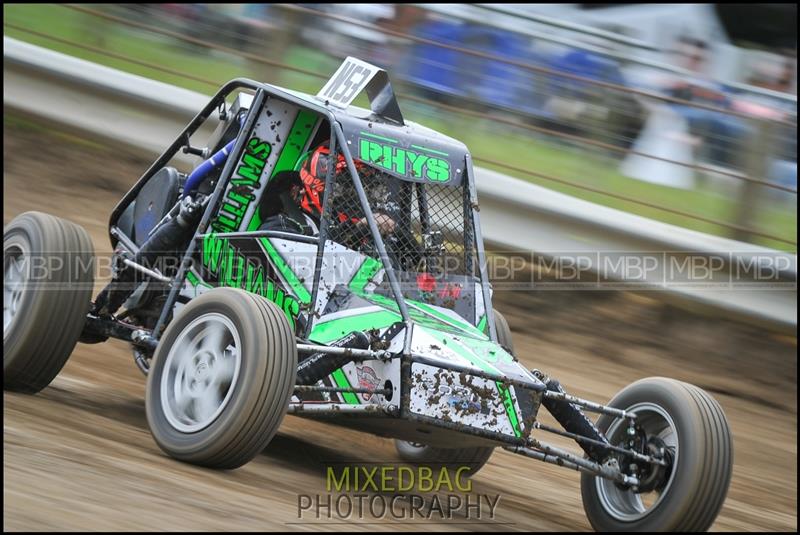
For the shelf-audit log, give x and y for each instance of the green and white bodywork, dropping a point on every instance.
(448, 372)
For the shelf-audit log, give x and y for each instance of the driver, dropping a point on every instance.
(293, 203)
(347, 209)
(280, 209)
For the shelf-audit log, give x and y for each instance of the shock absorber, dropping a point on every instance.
(320, 365)
(573, 420)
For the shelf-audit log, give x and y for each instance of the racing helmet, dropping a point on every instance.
(313, 170)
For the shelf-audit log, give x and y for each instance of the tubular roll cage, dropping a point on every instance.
(147, 341)
(337, 143)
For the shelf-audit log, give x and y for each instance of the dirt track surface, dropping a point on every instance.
(79, 456)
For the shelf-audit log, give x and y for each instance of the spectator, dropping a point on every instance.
(722, 134)
(783, 167)
(612, 115)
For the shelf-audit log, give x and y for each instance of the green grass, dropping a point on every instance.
(775, 216)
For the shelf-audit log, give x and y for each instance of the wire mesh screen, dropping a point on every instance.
(426, 228)
(440, 219)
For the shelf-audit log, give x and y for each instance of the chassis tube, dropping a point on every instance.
(357, 354)
(180, 141)
(597, 470)
(149, 272)
(126, 242)
(332, 409)
(422, 359)
(323, 233)
(551, 454)
(476, 224)
(588, 405)
(333, 390)
(541, 456)
(227, 171)
(579, 438)
(373, 226)
(265, 234)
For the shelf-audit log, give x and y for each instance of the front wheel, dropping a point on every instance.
(221, 379)
(683, 425)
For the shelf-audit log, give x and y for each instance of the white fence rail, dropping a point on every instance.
(745, 280)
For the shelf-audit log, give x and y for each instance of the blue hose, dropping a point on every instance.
(204, 169)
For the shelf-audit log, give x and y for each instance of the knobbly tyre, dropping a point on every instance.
(241, 307)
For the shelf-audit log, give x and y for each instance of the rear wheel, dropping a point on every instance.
(503, 331)
(221, 379)
(689, 427)
(436, 458)
(48, 279)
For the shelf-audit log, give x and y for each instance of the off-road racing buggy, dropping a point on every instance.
(377, 315)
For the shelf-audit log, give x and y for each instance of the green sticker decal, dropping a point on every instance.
(482, 325)
(341, 381)
(244, 182)
(460, 323)
(424, 315)
(434, 151)
(192, 278)
(404, 162)
(368, 269)
(252, 164)
(285, 270)
(295, 144)
(327, 331)
(235, 269)
(508, 403)
(379, 138)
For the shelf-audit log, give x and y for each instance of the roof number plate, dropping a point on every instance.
(347, 82)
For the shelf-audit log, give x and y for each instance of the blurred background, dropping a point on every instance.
(683, 113)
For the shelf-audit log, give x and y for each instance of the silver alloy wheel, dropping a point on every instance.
(626, 505)
(14, 279)
(200, 372)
